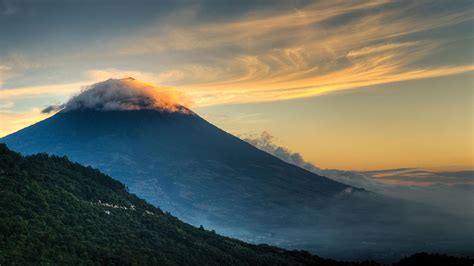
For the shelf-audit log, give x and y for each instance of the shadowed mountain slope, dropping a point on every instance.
(183, 164)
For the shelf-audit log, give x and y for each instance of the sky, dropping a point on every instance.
(355, 85)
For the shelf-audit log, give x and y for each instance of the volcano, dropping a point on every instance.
(179, 162)
(176, 160)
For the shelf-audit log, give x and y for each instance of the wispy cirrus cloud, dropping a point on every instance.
(266, 55)
(279, 54)
(317, 49)
(32, 91)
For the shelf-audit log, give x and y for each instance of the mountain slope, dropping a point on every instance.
(205, 176)
(181, 163)
(56, 211)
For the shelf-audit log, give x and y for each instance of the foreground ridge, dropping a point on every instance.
(56, 211)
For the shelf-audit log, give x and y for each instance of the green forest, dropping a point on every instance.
(54, 211)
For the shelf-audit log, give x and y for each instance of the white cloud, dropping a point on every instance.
(265, 142)
(125, 94)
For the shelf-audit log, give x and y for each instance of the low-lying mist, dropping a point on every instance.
(451, 192)
(396, 220)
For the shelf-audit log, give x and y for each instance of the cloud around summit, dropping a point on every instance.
(124, 94)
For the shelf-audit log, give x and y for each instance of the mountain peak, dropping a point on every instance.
(124, 95)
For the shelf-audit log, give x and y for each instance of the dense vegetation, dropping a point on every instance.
(53, 211)
(56, 211)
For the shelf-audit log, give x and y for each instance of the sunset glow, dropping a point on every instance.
(236, 132)
(307, 73)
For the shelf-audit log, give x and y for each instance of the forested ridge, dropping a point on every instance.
(54, 211)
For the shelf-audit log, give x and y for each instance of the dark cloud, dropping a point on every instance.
(469, 175)
(52, 108)
(409, 175)
(387, 171)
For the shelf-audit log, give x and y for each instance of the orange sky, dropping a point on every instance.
(350, 85)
